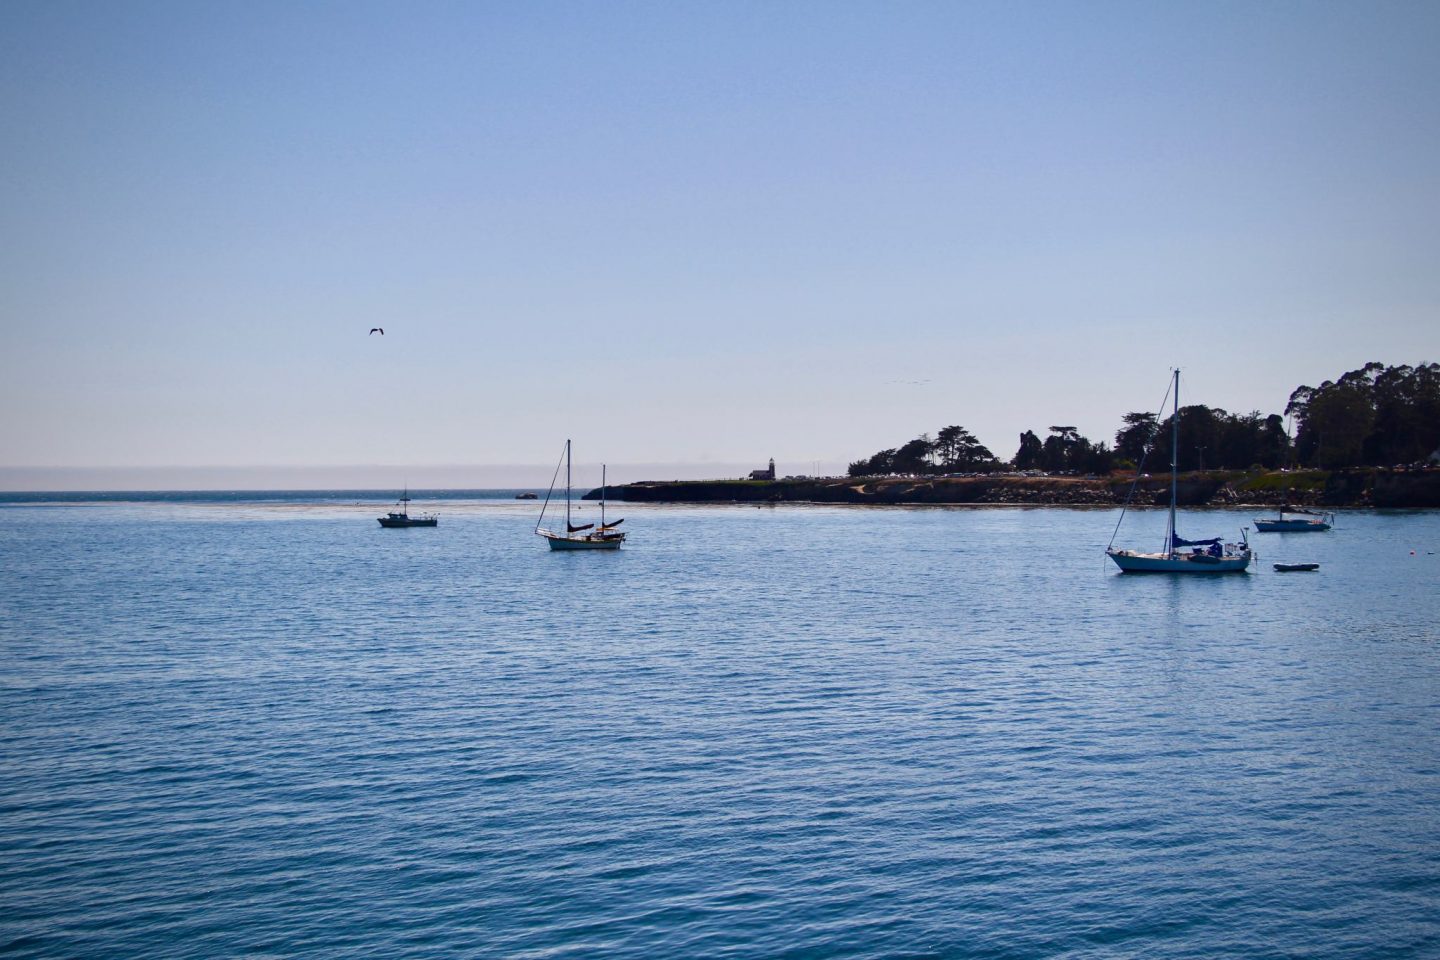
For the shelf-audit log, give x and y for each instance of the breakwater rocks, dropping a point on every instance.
(1356, 488)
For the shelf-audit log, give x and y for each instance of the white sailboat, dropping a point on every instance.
(585, 536)
(1203, 556)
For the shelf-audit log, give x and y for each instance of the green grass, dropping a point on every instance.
(1279, 482)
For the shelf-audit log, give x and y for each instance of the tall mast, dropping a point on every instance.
(567, 489)
(602, 494)
(1174, 460)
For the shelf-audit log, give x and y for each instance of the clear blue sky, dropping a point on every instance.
(689, 232)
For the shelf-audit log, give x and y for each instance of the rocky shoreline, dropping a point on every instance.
(1351, 488)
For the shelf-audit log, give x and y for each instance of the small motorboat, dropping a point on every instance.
(1296, 567)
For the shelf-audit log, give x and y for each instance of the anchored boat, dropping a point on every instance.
(1299, 520)
(585, 536)
(1202, 556)
(400, 517)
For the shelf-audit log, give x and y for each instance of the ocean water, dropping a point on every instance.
(233, 726)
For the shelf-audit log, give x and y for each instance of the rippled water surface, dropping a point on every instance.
(274, 728)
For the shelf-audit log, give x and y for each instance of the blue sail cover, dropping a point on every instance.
(1180, 541)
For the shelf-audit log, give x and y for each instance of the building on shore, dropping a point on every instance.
(767, 474)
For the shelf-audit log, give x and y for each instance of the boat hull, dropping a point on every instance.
(558, 542)
(1131, 562)
(409, 522)
(1291, 526)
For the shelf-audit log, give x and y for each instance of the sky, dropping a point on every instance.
(691, 236)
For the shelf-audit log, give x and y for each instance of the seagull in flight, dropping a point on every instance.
(379, 330)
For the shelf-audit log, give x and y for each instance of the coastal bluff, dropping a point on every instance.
(1351, 488)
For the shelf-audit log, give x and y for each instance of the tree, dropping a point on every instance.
(1134, 440)
(1238, 443)
(1395, 411)
(947, 442)
(1372, 415)
(1274, 443)
(913, 457)
(1407, 414)
(1335, 419)
(954, 448)
(878, 465)
(1199, 437)
(1031, 451)
(1339, 417)
(972, 455)
(1098, 459)
(1055, 456)
(959, 449)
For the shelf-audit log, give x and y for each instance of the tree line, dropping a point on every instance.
(1374, 416)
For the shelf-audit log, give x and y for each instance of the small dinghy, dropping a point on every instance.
(1296, 567)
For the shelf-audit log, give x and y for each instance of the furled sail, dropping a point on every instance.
(612, 524)
(1180, 541)
(576, 529)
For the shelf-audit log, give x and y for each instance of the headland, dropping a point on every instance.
(1370, 487)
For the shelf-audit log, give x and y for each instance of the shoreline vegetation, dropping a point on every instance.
(1376, 416)
(1416, 488)
(1349, 432)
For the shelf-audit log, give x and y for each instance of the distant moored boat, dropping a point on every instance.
(401, 517)
(1299, 521)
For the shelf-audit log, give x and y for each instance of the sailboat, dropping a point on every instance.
(585, 536)
(1299, 520)
(401, 517)
(1203, 556)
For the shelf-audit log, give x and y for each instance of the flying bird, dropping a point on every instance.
(379, 330)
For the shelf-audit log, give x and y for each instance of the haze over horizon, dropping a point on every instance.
(690, 235)
(380, 477)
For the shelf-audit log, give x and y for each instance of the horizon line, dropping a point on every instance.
(180, 478)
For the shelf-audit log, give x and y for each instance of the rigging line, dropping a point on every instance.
(553, 477)
(1139, 469)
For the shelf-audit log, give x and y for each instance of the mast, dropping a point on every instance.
(602, 496)
(1174, 461)
(551, 489)
(567, 490)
